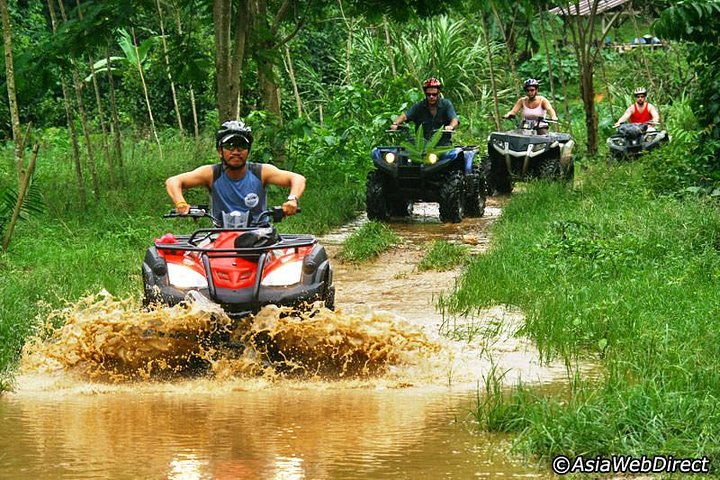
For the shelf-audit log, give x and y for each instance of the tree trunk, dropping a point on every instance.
(70, 122)
(193, 105)
(12, 95)
(22, 191)
(508, 51)
(229, 60)
(496, 117)
(147, 96)
(547, 53)
(269, 91)
(101, 115)
(196, 130)
(561, 75)
(587, 91)
(117, 139)
(83, 118)
(348, 43)
(388, 43)
(167, 67)
(103, 126)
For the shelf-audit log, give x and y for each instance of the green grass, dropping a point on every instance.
(65, 253)
(616, 273)
(443, 256)
(368, 242)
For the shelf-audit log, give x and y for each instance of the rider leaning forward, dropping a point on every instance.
(640, 111)
(235, 184)
(533, 106)
(433, 113)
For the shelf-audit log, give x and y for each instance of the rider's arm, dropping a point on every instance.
(176, 184)
(549, 109)
(452, 115)
(654, 113)
(625, 116)
(515, 109)
(399, 120)
(282, 178)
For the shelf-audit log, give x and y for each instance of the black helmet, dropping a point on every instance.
(233, 128)
(531, 82)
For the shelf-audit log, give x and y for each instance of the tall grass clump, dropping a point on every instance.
(442, 256)
(614, 272)
(368, 242)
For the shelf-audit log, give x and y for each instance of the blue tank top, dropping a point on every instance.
(244, 195)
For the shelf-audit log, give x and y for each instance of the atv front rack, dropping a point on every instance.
(185, 244)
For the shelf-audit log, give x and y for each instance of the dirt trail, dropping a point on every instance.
(393, 283)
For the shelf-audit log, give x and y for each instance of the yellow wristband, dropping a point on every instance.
(181, 204)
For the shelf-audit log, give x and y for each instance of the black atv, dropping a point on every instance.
(522, 153)
(633, 139)
(417, 171)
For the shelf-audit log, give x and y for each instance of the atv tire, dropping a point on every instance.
(399, 208)
(452, 198)
(475, 192)
(550, 169)
(375, 199)
(498, 177)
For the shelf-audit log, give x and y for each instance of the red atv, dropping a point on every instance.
(241, 268)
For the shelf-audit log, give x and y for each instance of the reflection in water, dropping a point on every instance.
(287, 432)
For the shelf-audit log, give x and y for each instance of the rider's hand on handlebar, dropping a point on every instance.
(182, 208)
(449, 128)
(509, 116)
(394, 126)
(290, 207)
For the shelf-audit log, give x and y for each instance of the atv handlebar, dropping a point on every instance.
(274, 214)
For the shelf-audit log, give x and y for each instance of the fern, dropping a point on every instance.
(32, 204)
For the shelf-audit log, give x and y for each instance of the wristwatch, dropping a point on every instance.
(292, 197)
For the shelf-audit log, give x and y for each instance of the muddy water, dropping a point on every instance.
(103, 399)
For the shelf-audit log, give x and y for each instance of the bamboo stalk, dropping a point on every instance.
(22, 192)
(147, 96)
(70, 122)
(293, 81)
(12, 92)
(167, 67)
(492, 71)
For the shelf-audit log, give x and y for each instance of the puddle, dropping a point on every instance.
(381, 388)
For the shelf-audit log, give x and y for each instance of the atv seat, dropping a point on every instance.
(257, 238)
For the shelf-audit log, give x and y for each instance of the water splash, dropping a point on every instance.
(107, 339)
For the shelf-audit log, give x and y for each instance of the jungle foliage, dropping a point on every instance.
(122, 94)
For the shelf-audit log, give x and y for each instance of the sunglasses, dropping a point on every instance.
(531, 89)
(236, 144)
(432, 94)
(639, 96)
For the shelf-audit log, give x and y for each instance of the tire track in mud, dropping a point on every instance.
(392, 283)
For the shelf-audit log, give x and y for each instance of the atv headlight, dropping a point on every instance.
(538, 147)
(389, 157)
(618, 141)
(284, 275)
(181, 276)
(432, 158)
(499, 143)
(649, 137)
